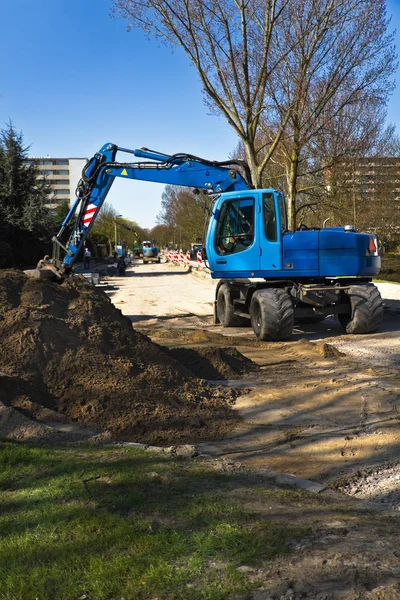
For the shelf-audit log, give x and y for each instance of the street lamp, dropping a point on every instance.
(176, 236)
(116, 243)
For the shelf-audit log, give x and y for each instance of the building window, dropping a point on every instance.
(62, 163)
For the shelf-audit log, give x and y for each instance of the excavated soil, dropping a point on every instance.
(213, 363)
(64, 348)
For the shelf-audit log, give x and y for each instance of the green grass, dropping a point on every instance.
(105, 523)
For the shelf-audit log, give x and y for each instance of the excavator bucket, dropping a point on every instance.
(45, 273)
(45, 270)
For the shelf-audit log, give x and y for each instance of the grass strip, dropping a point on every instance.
(93, 523)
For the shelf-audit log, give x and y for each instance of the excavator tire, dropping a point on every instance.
(272, 314)
(225, 310)
(366, 309)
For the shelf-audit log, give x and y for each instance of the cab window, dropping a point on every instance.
(282, 212)
(235, 228)
(269, 215)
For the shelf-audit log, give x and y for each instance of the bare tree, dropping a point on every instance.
(334, 83)
(104, 228)
(232, 44)
(280, 71)
(363, 191)
(185, 212)
(358, 130)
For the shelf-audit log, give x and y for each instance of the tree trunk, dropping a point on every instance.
(251, 159)
(292, 188)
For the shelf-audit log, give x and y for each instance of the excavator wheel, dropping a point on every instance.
(272, 314)
(225, 310)
(366, 309)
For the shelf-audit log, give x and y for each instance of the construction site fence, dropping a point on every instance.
(181, 257)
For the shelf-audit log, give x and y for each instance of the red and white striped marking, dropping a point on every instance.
(200, 262)
(89, 212)
(188, 257)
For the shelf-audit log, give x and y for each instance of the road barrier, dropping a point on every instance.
(180, 257)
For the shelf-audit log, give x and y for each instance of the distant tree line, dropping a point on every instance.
(108, 223)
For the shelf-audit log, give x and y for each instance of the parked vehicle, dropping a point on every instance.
(194, 250)
(150, 253)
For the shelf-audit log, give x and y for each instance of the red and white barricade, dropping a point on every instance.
(188, 257)
(200, 261)
(176, 256)
(181, 257)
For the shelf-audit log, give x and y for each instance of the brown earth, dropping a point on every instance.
(68, 349)
(213, 363)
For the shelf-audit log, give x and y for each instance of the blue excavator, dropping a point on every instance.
(269, 277)
(138, 252)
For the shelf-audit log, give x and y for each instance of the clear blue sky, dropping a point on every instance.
(73, 79)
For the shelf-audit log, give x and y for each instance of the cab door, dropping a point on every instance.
(233, 238)
(271, 223)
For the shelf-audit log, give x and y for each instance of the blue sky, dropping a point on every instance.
(75, 79)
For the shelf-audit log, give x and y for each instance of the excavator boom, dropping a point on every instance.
(98, 176)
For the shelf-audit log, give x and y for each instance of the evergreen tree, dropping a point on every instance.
(25, 221)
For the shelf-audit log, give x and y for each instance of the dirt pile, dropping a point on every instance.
(67, 348)
(213, 363)
(329, 351)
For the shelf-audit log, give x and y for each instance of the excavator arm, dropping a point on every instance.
(129, 229)
(98, 176)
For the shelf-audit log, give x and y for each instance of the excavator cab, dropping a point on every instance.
(245, 229)
(248, 238)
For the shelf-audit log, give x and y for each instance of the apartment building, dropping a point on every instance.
(62, 174)
(369, 177)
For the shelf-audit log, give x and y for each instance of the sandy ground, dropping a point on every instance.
(160, 296)
(325, 404)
